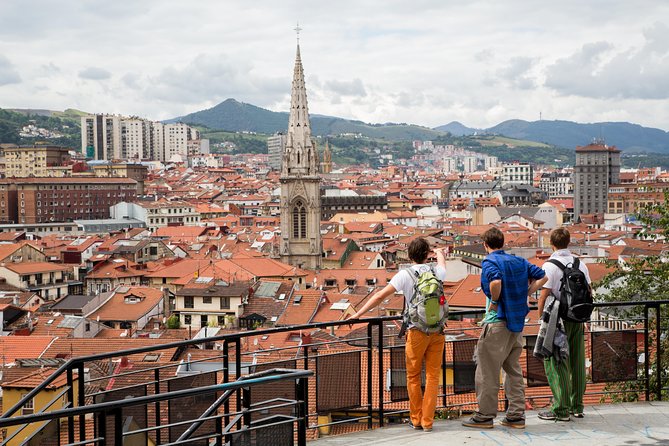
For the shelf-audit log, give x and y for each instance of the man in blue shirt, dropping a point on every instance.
(507, 281)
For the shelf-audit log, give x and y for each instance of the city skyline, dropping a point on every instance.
(426, 63)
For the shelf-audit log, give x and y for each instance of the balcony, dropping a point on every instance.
(318, 384)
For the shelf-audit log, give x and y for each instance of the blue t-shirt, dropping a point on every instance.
(515, 273)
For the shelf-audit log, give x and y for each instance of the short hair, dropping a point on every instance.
(494, 238)
(560, 238)
(418, 250)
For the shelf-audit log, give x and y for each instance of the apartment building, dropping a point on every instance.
(37, 161)
(557, 184)
(275, 146)
(597, 167)
(158, 214)
(517, 173)
(42, 200)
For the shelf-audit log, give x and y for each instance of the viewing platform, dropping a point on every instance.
(641, 423)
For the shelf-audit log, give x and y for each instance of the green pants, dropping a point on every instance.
(567, 378)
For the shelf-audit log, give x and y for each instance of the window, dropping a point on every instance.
(187, 319)
(299, 220)
(29, 406)
(225, 303)
(221, 320)
(204, 320)
(206, 300)
(188, 302)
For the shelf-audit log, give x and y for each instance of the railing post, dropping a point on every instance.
(102, 426)
(658, 351)
(645, 352)
(156, 390)
(226, 379)
(81, 400)
(246, 404)
(306, 395)
(301, 391)
(118, 427)
(380, 323)
(443, 372)
(370, 383)
(70, 399)
(238, 364)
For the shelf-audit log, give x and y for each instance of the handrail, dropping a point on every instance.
(263, 377)
(71, 363)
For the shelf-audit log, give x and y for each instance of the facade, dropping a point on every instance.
(450, 165)
(470, 164)
(490, 162)
(37, 161)
(114, 137)
(218, 305)
(597, 167)
(275, 147)
(557, 184)
(331, 205)
(134, 171)
(43, 200)
(300, 183)
(158, 214)
(631, 198)
(50, 281)
(517, 173)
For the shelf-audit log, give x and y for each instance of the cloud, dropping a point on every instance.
(8, 74)
(212, 78)
(94, 74)
(517, 73)
(354, 87)
(600, 70)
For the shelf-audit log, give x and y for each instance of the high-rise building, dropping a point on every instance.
(300, 183)
(275, 146)
(470, 164)
(112, 137)
(597, 167)
(490, 162)
(450, 165)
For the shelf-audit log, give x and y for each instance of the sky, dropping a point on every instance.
(425, 62)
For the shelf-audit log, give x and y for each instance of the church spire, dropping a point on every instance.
(300, 156)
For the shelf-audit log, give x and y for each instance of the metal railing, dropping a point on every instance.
(354, 379)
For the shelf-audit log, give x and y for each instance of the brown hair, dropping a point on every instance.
(494, 238)
(560, 238)
(418, 250)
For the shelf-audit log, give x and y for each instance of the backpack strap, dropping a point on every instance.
(558, 264)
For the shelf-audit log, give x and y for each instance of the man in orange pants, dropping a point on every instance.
(419, 345)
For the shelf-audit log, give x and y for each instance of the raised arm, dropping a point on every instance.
(375, 300)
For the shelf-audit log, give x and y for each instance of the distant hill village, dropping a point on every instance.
(142, 236)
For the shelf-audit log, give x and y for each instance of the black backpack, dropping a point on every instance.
(575, 295)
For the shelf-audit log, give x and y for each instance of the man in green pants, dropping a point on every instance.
(566, 378)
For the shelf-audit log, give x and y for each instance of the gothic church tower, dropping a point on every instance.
(300, 183)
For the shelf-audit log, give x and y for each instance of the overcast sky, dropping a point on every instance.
(425, 62)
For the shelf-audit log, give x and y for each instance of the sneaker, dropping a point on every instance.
(550, 416)
(427, 429)
(478, 423)
(577, 414)
(418, 427)
(518, 423)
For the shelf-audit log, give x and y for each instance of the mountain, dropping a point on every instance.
(624, 135)
(457, 129)
(237, 116)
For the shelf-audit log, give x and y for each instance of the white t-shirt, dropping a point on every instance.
(405, 280)
(554, 273)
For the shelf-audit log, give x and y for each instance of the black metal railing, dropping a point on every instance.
(340, 376)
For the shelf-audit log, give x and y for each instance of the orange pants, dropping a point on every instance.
(429, 347)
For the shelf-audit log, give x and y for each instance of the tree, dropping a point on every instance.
(644, 277)
(173, 322)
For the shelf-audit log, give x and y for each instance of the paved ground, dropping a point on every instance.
(611, 424)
